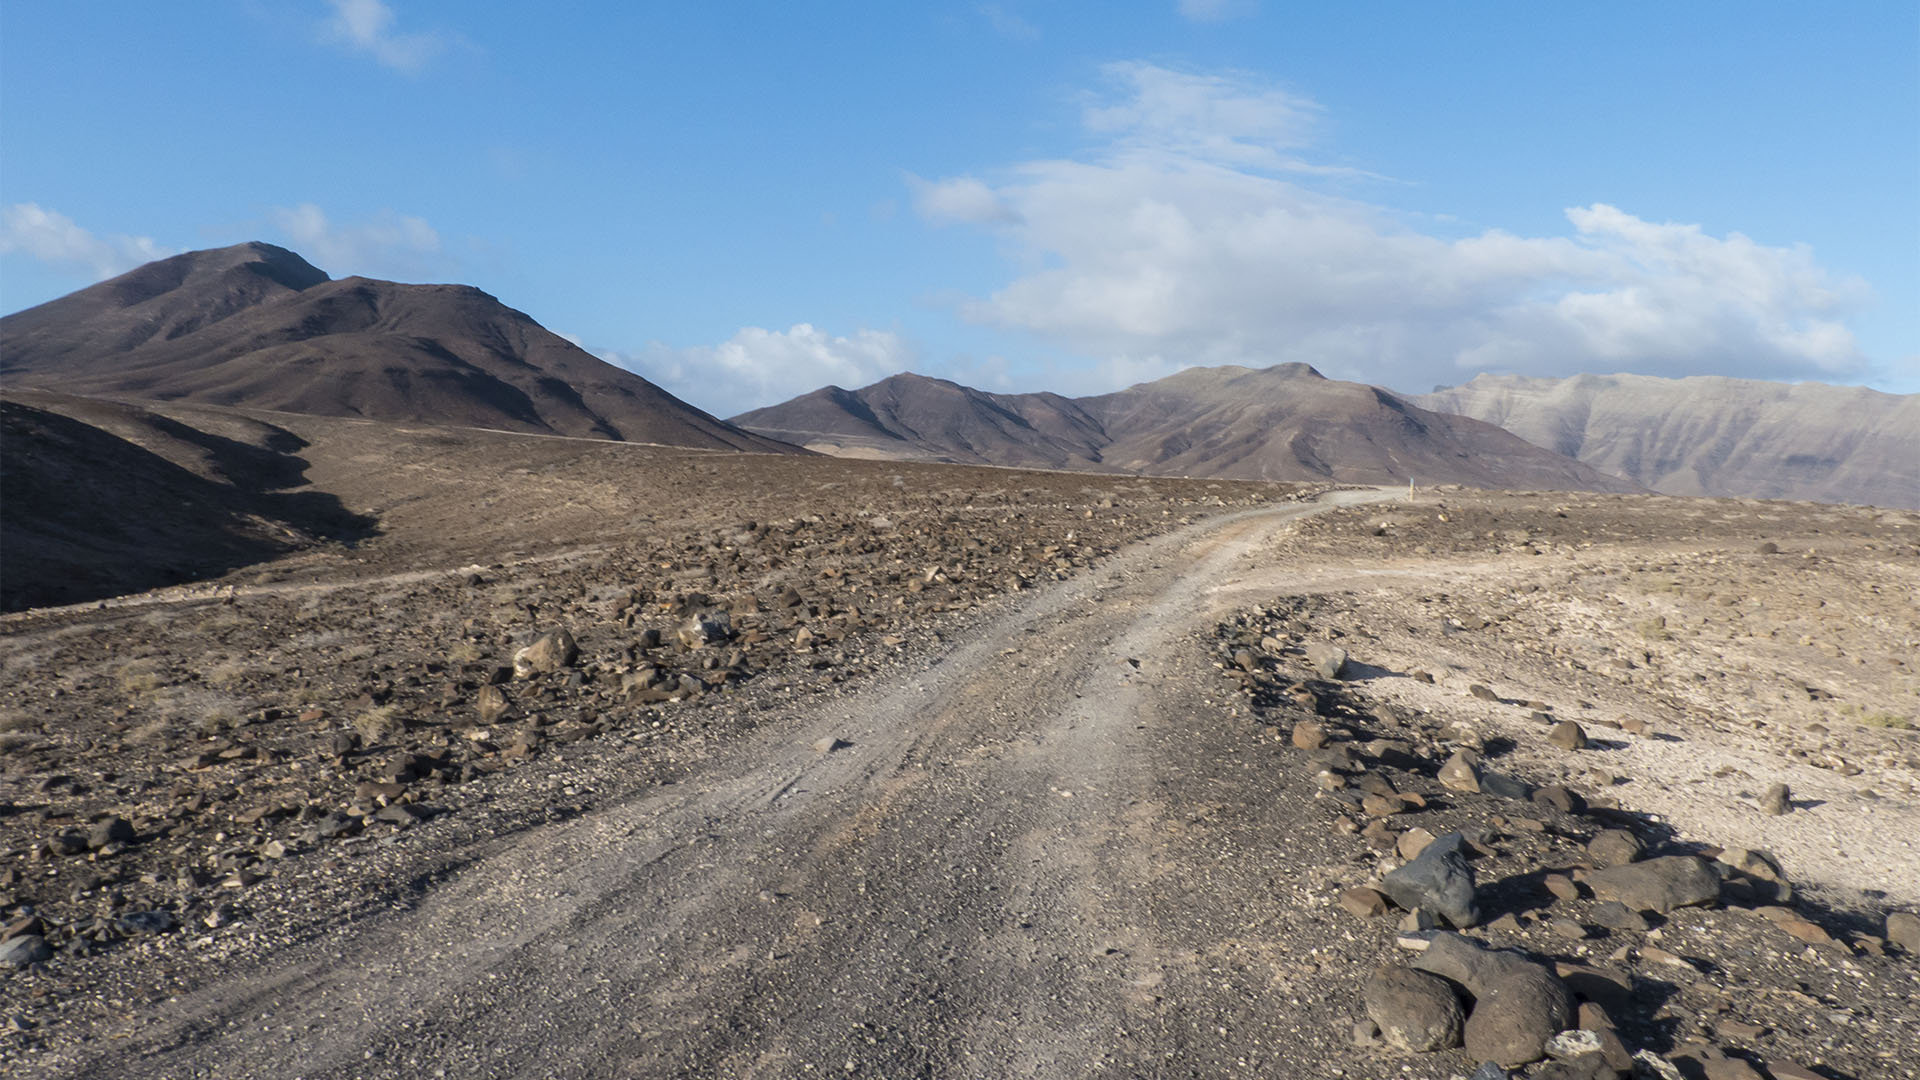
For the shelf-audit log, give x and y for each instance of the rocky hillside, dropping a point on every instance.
(1280, 423)
(1709, 435)
(257, 326)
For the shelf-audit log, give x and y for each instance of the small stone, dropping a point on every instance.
(1561, 886)
(1658, 885)
(1903, 929)
(25, 949)
(1490, 1071)
(1730, 1068)
(1461, 772)
(827, 744)
(1309, 735)
(1329, 661)
(1439, 879)
(1568, 735)
(1417, 920)
(402, 814)
(1364, 902)
(549, 652)
(1484, 693)
(68, 842)
(1572, 1043)
(1648, 1065)
(113, 830)
(1414, 1010)
(1615, 915)
(491, 704)
(1412, 843)
(1558, 797)
(1501, 785)
(1518, 1005)
(147, 922)
(1778, 800)
(1381, 805)
(1614, 847)
(1379, 836)
(1567, 928)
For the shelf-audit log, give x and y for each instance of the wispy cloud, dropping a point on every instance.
(1007, 24)
(386, 245)
(1185, 236)
(368, 26)
(758, 367)
(55, 239)
(1214, 10)
(959, 200)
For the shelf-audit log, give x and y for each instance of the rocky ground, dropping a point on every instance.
(201, 774)
(1583, 688)
(1088, 792)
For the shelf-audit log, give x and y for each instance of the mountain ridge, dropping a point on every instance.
(256, 325)
(1286, 422)
(1714, 434)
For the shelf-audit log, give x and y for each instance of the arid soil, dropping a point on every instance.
(892, 770)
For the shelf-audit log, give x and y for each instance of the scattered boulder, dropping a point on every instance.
(1658, 885)
(1614, 847)
(1500, 785)
(1328, 660)
(1363, 902)
(1568, 735)
(705, 628)
(25, 949)
(549, 652)
(1461, 772)
(1483, 692)
(491, 704)
(1414, 1010)
(1440, 880)
(1309, 735)
(113, 830)
(1903, 929)
(1778, 800)
(1518, 1005)
(1615, 915)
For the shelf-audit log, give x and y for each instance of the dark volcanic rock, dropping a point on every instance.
(1415, 1011)
(1440, 880)
(1658, 885)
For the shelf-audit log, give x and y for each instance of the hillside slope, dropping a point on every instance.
(257, 326)
(1709, 435)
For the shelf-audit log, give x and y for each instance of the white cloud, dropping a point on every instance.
(367, 26)
(758, 367)
(1183, 239)
(1214, 10)
(1007, 24)
(1228, 119)
(387, 245)
(54, 239)
(959, 200)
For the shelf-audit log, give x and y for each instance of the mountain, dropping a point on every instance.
(1280, 423)
(925, 419)
(256, 325)
(1710, 435)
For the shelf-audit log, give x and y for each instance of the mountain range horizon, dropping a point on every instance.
(256, 325)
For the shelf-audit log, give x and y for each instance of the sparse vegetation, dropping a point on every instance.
(380, 724)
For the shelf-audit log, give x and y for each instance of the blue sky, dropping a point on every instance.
(746, 201)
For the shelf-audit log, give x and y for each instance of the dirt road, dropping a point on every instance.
(1049, 852)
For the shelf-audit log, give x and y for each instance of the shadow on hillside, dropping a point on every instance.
(86, 514)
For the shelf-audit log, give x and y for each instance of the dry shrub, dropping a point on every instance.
(380, 724)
